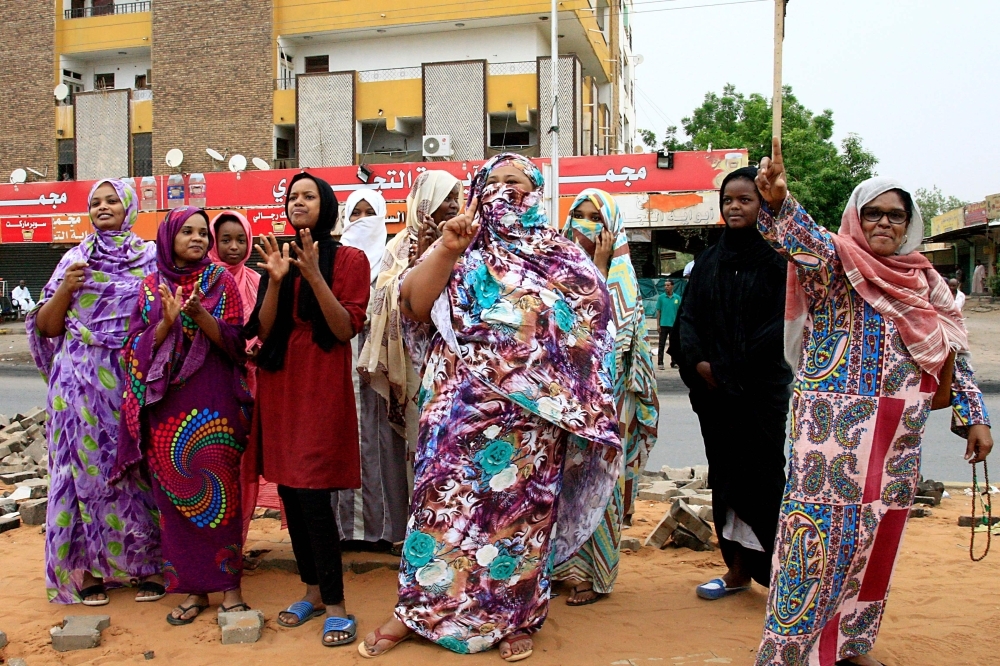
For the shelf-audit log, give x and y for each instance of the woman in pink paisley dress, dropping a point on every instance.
(871, 330)
(518, 429)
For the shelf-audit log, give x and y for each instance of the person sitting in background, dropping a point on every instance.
(21, 297)
(959, 295)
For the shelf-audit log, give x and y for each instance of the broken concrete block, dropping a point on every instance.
(36, 416)
(927, 501)
(684, 539)
(4, 420)
(651, 477)
(243, 627)
(630, 543)
(689, 520)
(16, 477)
(700, 471)
(33, 511)
(705, 513)
(36, 450)
(79, 632)
(33, 432)
(659, 536)
(678, 473)
(16, 442)
(699, 500)
(696, 484)
(920, 512)
(966, 521)
(20, 494)
(5, 451)
(660, 491)
(11, 428)
(3, 639)
(39, 487)
(10, 522)
(7, 505)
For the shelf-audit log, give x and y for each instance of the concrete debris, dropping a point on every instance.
(33, 511)
(660, 491)
(631, 543)
(684, 539)
(7, 505)
(3, 639)
(243, 627)
(79, 632)
(920, 512)
(966, 521)
(10, 522)
(659, 536)
(688, 519)
(696, 484)
(38, 487)
(677, 474)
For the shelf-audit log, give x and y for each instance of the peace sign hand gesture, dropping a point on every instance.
(276, 262)
(172, 305)
(771, 178)
(458, 232)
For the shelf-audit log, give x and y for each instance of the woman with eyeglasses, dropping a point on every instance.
(872, 332)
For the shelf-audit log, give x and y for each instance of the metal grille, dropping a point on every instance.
(102, 135)
(397, 74)
(508, 68)
(326, 119)
(570, 105)
(463, 117)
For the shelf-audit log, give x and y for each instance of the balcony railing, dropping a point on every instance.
(286, 83)
(107, 10)
(286, 163)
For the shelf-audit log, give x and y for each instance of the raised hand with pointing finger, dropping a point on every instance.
(772, 182)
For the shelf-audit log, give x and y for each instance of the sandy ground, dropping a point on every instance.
(943, 609)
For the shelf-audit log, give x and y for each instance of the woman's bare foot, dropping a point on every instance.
(518, 644)
(191, 607)
(156, 579)
(582, 594)
(312, 597)
(385, 637)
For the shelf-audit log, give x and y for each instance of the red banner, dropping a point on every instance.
(262, 193)
(26, 229)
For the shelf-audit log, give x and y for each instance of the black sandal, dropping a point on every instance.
(180, 621)
(97, 588)
(577, 591)
(235, 608)
(158, 591)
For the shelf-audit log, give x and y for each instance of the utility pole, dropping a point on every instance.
(554, 125)
(779, 39)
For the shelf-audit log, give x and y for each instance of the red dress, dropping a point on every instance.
(305, 420)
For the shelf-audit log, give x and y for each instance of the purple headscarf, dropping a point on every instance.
(165, 235)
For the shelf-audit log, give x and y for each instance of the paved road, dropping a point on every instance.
(679, 443)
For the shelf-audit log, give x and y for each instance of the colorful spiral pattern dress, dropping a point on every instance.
(859, 407)
(190, 410)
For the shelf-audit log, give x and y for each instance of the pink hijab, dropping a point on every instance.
(904, 287)
(246, 278)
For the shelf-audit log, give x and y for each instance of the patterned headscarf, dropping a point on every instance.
(165, 234)
(384, 362)
(633, 357)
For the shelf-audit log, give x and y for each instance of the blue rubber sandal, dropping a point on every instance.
(303, 610)
(345, 625)
(716, 589)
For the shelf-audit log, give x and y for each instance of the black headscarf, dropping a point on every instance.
(744, 247)
(272, 352)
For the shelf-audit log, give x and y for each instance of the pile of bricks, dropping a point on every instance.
(687, 523)
(24, 462)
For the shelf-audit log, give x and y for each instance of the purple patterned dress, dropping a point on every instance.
(93, 525)
(518, 417)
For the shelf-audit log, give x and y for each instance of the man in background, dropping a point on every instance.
(959, 295)
(667, 305)
(22, 298)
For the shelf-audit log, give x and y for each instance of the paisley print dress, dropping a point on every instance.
(859, 408)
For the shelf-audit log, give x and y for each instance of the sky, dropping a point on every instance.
(918, 80)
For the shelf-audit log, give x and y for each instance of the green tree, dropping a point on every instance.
(670, 140)
(933, 202)
(820, 176)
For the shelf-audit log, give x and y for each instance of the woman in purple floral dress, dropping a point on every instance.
(96, 532)
(518, 428)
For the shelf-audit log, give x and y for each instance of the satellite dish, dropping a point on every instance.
(61, 92)
(639, 59)
(237, 163)
(18, 176)
(215, 155)
(261, 164)
(174, 157)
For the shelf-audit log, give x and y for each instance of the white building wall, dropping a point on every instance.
(514, 43)
(125, 70)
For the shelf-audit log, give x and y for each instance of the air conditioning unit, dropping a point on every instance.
(437, 145)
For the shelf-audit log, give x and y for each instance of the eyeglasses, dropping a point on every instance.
(897, 217)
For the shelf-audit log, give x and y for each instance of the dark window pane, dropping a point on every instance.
(319, 63)
(105, 81)
(142, 154)
(67, 152)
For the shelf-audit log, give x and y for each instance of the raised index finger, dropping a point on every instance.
(776, 152)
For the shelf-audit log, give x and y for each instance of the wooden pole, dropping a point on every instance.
(779, 38)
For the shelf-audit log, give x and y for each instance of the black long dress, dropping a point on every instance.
(732, 316)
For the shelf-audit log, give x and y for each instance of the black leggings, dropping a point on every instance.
(312, 525)
(664, 339)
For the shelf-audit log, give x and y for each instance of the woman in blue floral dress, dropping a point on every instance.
(518, 428)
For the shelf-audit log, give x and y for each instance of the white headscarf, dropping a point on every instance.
(367, 234)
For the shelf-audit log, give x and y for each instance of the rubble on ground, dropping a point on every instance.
(687, 524)
(79, 632)
(23, 447)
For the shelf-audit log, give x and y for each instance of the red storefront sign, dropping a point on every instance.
(975, 213)
(26, 229)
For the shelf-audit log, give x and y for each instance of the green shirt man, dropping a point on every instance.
(667, 305)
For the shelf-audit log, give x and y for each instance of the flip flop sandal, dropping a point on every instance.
(586, 602)
(303, 610)
(716, 589)
(345, 625)
(180, 621)
(91, 591)
(235, 608)
(158, 591)
(514, 639)
(379, 637)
